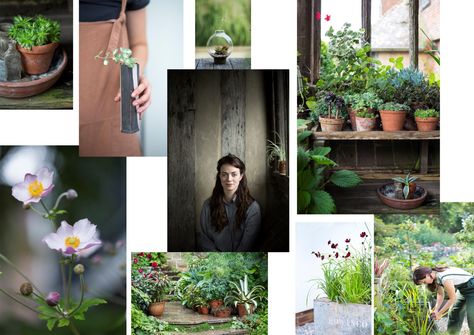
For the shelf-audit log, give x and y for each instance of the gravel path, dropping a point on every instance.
(443, 325)
(307, 329)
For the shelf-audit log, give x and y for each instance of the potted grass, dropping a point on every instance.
(365, 120)
(37, 39)
(244, 298)
(345, 307)
(276, 153)
(157, 286)
(426, 119)
(393, 116)
(333, 120)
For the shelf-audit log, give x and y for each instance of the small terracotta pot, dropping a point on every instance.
(352, 117)
(242, 311)
(331, 124)
(427, 124)
(156, 308)
(282, 167)
(204, 310)
(365, 124)
(215, 303)
(38, 59)
(224, 313)
(392, 120)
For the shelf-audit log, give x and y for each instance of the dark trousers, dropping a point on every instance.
(464, 305)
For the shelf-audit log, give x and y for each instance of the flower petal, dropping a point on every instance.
(20, 192)
(29, 178)
(65, 230)
(54, 241)
(45, 176)
(84, 230)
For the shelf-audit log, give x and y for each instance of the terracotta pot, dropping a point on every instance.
(392, 120)
(38, 59)
(352, 117)
(282, 167)
(204, 310)
(365, 124)
(223, 313)
(156, 308)
(427, 124)
(242, 311)
(331, 124)
(215, 303)
(386, 195)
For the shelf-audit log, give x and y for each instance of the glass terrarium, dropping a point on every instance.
(219, 46)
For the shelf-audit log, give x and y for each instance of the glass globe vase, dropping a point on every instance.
(219, 46)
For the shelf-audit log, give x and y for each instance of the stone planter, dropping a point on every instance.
(331, 318)
(365, 124)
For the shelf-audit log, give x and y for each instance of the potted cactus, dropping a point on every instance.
(393, 116)
(37, 39)
(426, 119)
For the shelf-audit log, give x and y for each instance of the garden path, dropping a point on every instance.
(219, 332)
(177, 314)
(443, 325)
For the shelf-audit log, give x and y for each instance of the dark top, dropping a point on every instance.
(230, 238)
(103, 10)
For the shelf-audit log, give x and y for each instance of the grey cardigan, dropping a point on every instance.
(230, 238)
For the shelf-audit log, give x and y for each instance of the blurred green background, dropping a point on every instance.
(231, 16)
(101, 187)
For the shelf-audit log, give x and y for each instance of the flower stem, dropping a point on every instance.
(68, 287)
(62, 195)
(44, 206)
(73, 328)
(6, 260)
(17, 300)
(63, 273)
(37, 211)
(81, 277)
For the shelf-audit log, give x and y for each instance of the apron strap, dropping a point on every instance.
(117, 29)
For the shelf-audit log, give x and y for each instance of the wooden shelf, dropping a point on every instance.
(231, 64)
(377, 135)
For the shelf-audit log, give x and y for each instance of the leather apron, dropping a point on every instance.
(99, 114)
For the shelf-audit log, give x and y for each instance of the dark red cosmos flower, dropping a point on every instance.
(328, 17)
(148, 256)
(363, 234)
(140, 270)
(154, 264)
(347, 255)
(135, 260)
(348, 240)
(322, 257)
(318, 15)
(141, 254)
(336, 255)
(334, 245)
(329, 242)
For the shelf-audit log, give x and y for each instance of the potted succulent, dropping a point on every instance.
(243, 298)
(333, 120)
(403, 193)
(277, 153)
(365, 120)
(157, 285)
(426, 119)
(37, 40)
(407, 185)
(355, 102)
(219, 46)
(393, 116)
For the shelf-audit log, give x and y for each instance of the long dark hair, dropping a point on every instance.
(420, 273)
(218, 215)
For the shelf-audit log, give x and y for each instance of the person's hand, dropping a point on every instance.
(142, 95)
(436, 315)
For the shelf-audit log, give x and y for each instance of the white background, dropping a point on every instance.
(273, 46)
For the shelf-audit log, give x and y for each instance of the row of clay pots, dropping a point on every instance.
(222, 313)
(391, 121)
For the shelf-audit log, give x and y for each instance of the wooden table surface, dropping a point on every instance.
(231, 64)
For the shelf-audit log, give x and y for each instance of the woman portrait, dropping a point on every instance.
(230, 218)
(458, 285)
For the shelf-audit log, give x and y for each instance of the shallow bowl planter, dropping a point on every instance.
(38, 59)
(331, 124)
(386, 194)
(365, 124)
(427, 124)
(392, 120)
(36, 84)
(331, 318)
(156, 308)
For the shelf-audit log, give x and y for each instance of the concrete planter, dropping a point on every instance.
(331, 318)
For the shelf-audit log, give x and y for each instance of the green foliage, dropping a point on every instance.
(146, 325)
(119, 56)
(424, 113)
(241, 293)
(34, 31)
(231, 16)
(140, 298)
(313, 175)
(406, 181)
(143, 260)
(153, 282)
(363, 100)
(466, 235)
(275, 152)
(364, 113)
(396, 107)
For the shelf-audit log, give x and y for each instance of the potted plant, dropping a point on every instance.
(276, 152)
(368, 101)
(219, 46)
(333, 120)
(157, 286)
(243, 298)
(202, 305)
(37, 40)
(393, 116)
(214, 290)
(408, 185)
(365, 120)
(221, 311)
(403, 193)
(426, 119)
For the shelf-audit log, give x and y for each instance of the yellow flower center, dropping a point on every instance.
(72, 241)
(35, 188)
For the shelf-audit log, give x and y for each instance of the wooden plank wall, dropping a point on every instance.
(233, 97)
(309, 38)
(181, 168)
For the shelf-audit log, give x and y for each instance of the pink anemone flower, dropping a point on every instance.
(34, 187)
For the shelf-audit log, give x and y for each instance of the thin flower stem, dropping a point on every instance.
(81, 277)
(17, 300)
(63, 273)
(62, 195)
(68, 293)
(37, 211)
(73, 328)
(44, 206)
(6, 260)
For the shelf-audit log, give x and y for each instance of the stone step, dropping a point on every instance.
(219, 332)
